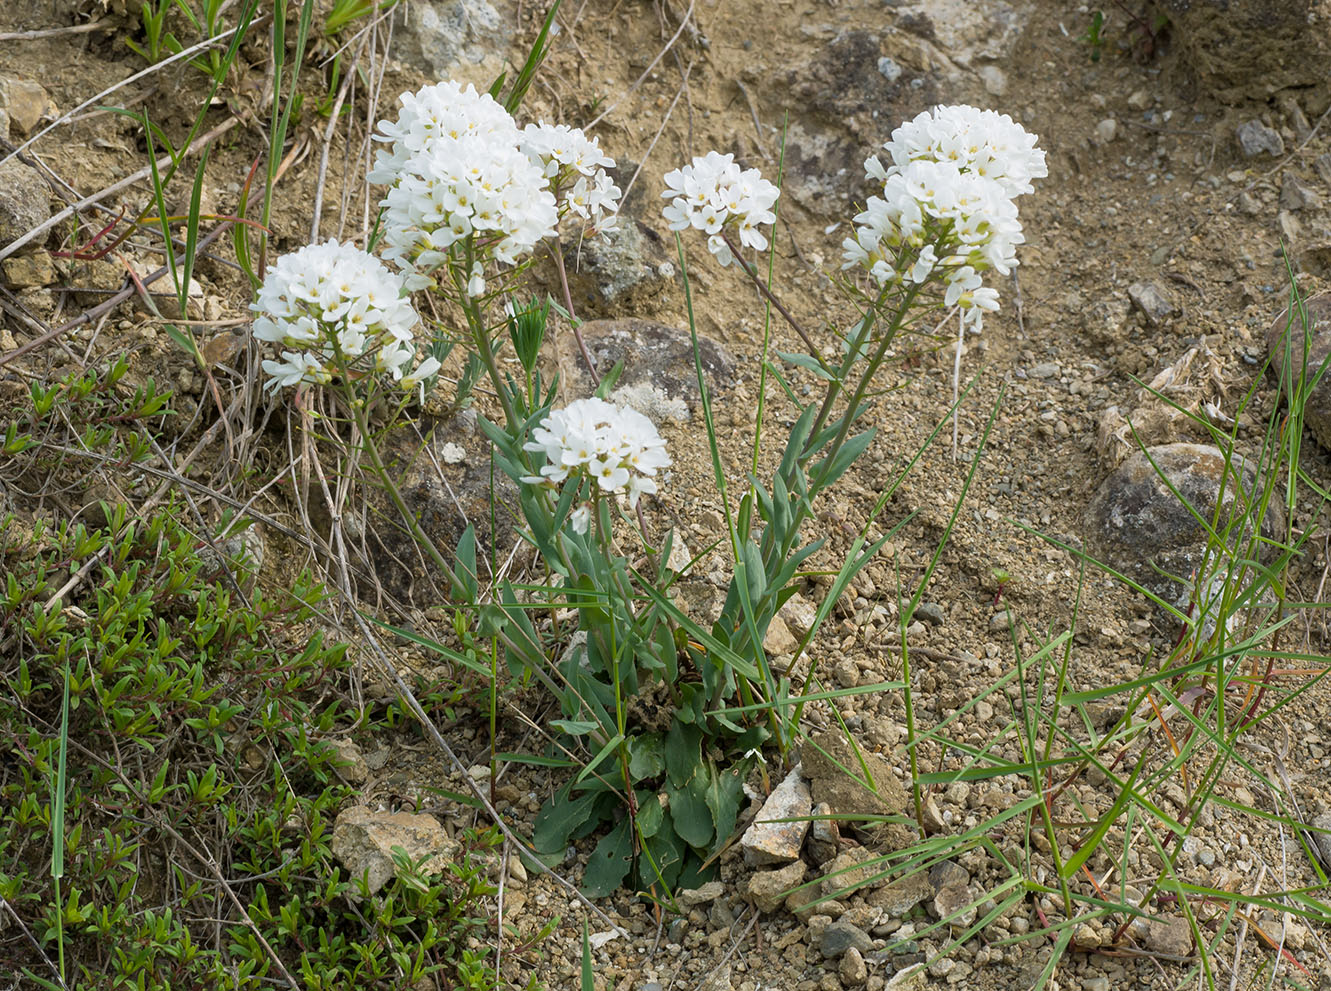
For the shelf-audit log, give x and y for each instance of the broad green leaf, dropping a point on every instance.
(646, 756)
(688, 808)
(609, 863)
(683, 752)
(559, 816)
(650, 813)
(724, 794)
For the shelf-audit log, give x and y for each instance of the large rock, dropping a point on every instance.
(625, 271)
(364, 841)
(23, 201)
(778, 831)
(1251, 49)
(658, 379)
(452, 39)
(1286, 338)
(1137, 525)
(834, 770)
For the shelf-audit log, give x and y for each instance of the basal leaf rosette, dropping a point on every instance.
(336, 311)
(616, 447)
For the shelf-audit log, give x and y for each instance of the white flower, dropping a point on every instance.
(615, 446)
(983, 142)
(948, 210)
(336, 310)
(580, 519)
(443, 111)
(575, 167)
(714, 196)
(480, 188)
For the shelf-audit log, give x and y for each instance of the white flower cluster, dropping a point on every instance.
(948, 207)
(616, 446)
(461, 172)
(574, 165)
(336, 309)
(714, 196)
(984, 142)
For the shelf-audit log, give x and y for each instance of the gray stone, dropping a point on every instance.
(855, 871)
(1045, 370)
(452, 39)
(364, 841)
(1171, 936)
(1106, 131)
(1323, 839)
(768, 889)
(835, 772)
(658, 378)
(1152, 301)
(1286, 328)
(840, 937)
(899, 897)
(846, 673)
(1322, 163)
(1249, 49)
(1295, 194)
(931, 612)
(23, 201)
(852, 970)
(773, 838)
(709, 892)
(947, 873)
(955, 898)
(824, 836)
(1255, 137)
(1137, 525)
(994, 79)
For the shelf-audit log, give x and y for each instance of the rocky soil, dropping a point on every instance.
(1179, 196)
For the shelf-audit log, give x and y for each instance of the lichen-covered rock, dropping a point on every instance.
(1251, 49)
(1285, 337)
(364, 840)
(452, 39)
(1137, 525)
(659, 379)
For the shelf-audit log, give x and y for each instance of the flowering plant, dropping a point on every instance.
(337, 311)
(615, 446)
(948, 208)
(714, 196)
